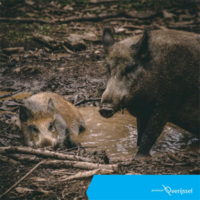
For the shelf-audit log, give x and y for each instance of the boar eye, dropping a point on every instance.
(129, 68)
(108, 68)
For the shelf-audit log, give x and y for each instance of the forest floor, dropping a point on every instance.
(56, 46)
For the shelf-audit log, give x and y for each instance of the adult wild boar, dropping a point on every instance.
(155, 76)
(49, 120)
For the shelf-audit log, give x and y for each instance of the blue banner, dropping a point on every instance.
(144, 187)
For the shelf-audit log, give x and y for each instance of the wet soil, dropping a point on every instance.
(78, 75)
(118, 136)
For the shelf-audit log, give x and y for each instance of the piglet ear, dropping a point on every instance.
(107, 38)
(140, 49)
(24, 113)
(50, 107)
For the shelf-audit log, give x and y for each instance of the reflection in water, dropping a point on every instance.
(118, 135)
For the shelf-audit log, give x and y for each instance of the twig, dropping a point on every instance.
(103, 1)
(67, 50)
(120, 19)
(8, 110)
(36, 166)
(41, 152)
(25, 157)
(87, 174)
(173, 157)
(174, 164)
(15, 100)
(81, 147)
(132, 173)
(86, 100)
(9, 95)
(9, 160)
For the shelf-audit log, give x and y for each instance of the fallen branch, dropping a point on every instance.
(133, 27)
(23, 190)
(38, 179)
(24, 157)
(174, 164)
(5, 19)
(66, 20)
(120, 19)
(81, 165)
(36, 166)
(67, 163)
(86, 100)
(41, 152)
(94, 17)
(86, 174)
(91, 18)
(11, 50)
(48, 41)
(8, 160)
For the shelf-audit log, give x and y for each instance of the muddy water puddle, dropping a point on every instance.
(118, 135)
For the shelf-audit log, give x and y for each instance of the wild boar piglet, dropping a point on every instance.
(47, 119)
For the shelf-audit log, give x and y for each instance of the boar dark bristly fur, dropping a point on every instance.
(49, 120)
(155, 76)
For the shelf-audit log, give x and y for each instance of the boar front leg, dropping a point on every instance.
(154, 127)
(141, 126)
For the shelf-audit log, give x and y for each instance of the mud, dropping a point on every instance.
(118, 136)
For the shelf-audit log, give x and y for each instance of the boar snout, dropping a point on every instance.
(106, 110)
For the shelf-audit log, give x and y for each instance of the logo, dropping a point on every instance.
(170, 191)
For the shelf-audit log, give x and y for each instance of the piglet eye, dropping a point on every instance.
(50, 126)
(35, 130)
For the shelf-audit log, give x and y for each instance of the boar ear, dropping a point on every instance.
(107, 39)
(24, 113)
(140, 49)
(50, 105)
